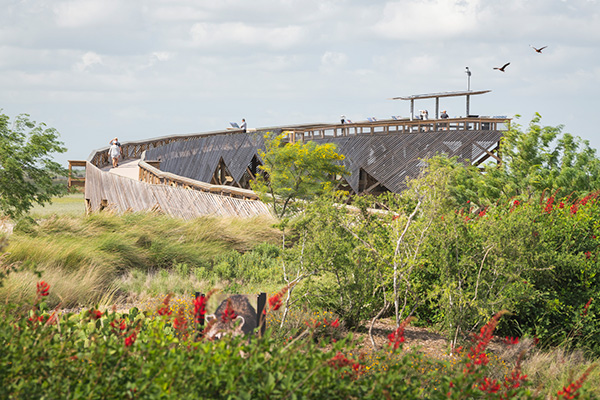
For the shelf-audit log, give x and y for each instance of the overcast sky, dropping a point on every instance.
(138, 69)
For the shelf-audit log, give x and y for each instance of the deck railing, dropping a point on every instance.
(153, 175)
(396, 126)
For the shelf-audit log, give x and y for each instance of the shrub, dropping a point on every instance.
(162, 355)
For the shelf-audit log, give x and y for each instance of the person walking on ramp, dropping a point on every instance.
(115, 152)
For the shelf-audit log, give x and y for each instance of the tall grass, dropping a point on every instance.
(107, 256)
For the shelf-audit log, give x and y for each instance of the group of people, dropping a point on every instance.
(424, 114)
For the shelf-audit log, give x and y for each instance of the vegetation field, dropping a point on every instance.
(501, 263)
(72, 204)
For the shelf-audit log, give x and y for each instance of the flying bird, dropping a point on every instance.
(538, 50)
(502, 67)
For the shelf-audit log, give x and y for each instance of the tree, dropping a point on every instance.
(536, 160)
(27, 169)
(541, 158)
(294, 173)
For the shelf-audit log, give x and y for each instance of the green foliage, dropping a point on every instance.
(294, 171)
(345, 274)
(143, 355)
(542, 158)
(27, 169)
(534, 160)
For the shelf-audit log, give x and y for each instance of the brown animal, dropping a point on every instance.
(502, 67)
(235, 316)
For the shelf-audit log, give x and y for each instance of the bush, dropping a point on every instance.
(162, 355)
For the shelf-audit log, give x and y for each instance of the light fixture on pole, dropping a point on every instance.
(468, 78)
(468, 88)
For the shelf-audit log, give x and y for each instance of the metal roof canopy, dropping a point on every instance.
(436, 96)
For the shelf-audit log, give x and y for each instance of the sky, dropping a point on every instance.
(140, 69)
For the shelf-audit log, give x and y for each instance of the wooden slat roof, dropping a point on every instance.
(389, 158)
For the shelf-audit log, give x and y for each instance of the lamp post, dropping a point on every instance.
(468, 78)
(468, 87)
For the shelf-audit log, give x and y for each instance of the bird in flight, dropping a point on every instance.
(502, 67)
(539, 50)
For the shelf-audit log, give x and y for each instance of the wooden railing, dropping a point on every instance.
(153, 175)
(134, 149)
(405, 126)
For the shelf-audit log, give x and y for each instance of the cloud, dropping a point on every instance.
(240, 34)
(86, 13)
(88, 60)
(427, 19)
(332, 61)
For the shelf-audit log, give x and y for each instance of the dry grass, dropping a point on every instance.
(68, 288)
(105, 256)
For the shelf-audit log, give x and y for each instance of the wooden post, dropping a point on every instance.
(261, 302)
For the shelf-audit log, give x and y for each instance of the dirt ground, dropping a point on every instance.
(425, 340)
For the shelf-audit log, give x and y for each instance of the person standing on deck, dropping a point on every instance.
(243, 125)
(115, 152)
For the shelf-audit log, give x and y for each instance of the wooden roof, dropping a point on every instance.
(388, 158)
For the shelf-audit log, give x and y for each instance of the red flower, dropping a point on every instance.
(482, 340)
(180, 322)
(95, 314)
(516, 203)
(339, 361)
(119, 324)
(165, 309)
(574, 209)
(510, 340)
(587, 305)
(276, 300)
(229, 313)
(397, 336)
(336, 323)
(570, 392)
(199, 308)
(549, 204)
(42, 289)
(585, 199)
(489, 385)
(130, 340)
(588, 254)
(561, 205)
(516, 378)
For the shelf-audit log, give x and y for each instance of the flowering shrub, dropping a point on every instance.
(135, 356)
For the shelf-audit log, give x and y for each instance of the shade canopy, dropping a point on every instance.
(436, 96)
(441, 94)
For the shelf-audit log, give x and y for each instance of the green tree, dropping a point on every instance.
(27, 169)
(294, 174)
(295, 171)
(535, 160)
